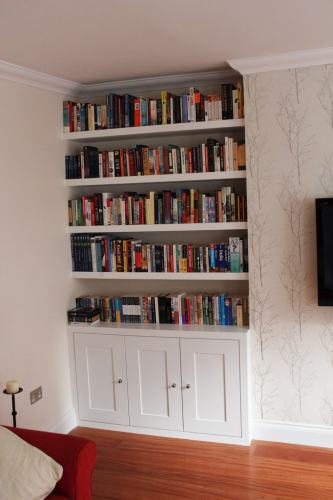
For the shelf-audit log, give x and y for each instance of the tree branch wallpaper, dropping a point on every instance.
(289, 143)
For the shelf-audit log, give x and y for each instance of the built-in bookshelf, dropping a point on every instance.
(206, 229)
(157, 227)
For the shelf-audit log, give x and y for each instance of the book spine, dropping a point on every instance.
(164, 98)
(67, 117)
(137, 112)
(192, 110)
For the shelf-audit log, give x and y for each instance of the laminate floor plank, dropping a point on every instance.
(139, 467)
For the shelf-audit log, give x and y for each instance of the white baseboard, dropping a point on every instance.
(211, 438)
(65, 424)
(276, 431)
(293, 433)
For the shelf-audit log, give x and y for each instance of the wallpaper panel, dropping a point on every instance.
(289, 140)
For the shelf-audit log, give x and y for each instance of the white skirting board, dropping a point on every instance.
(276, 431)
(242, 441)
(293, 433)
(65, 424)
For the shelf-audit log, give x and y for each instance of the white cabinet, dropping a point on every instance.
(154, 383)
(211, 386)
(101, 378)
(193, 387)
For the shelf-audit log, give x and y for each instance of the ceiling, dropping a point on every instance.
(92, 41)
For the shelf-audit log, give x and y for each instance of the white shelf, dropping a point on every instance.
(156, 179)
(159, 228)
(154, 130)
(161, 330)
(162, 276)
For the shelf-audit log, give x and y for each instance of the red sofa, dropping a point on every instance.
(77, 456)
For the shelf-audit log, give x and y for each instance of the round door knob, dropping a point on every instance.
(187, 386)
(120, 381)
(173, 385)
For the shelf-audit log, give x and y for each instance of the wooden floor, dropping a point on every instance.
(136, 467)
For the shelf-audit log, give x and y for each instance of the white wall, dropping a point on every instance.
(34, 260)
(289, 133)
(290, 162)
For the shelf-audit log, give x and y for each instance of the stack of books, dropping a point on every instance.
(174, 309)
(118, 111)
(84, 315)
(106, 254)
(213, 156)
(183, 206)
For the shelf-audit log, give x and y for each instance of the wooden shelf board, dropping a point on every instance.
(156, 179)
(159, 228)
(162, 276)
(154, 130)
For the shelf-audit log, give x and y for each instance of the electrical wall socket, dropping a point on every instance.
(36, 395)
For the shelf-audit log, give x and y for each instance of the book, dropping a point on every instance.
(235, 254)
(91, 162)
(80, 323)
(83, 315)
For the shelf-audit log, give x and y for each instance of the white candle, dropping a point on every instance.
(12, 386)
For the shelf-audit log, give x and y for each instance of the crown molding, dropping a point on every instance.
(37, 79)
(244, 66)
(287, 60)
(159, 82)
(69, 88)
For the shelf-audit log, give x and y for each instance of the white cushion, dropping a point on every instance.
(26, 473)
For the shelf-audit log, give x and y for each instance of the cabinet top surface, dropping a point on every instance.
(178, 331)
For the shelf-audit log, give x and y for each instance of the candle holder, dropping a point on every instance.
(12, 394)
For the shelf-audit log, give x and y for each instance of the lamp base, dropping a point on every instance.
(12, 394)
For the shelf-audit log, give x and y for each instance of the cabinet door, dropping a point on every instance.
(153, 367)
(101, 378)
(211, 386)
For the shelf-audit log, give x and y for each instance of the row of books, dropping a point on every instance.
(120, 111)
(213, 156)
(176, 309)
(165, 207)
(106, 254)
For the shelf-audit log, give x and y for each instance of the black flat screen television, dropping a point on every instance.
(324, 218)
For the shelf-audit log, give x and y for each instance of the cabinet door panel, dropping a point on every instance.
(153, 366)
(211, 386)
(100, 366)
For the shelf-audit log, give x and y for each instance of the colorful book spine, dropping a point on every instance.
(118, 111)
(167, 207)
(107, 254)
(204, 309)
(143, 160)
